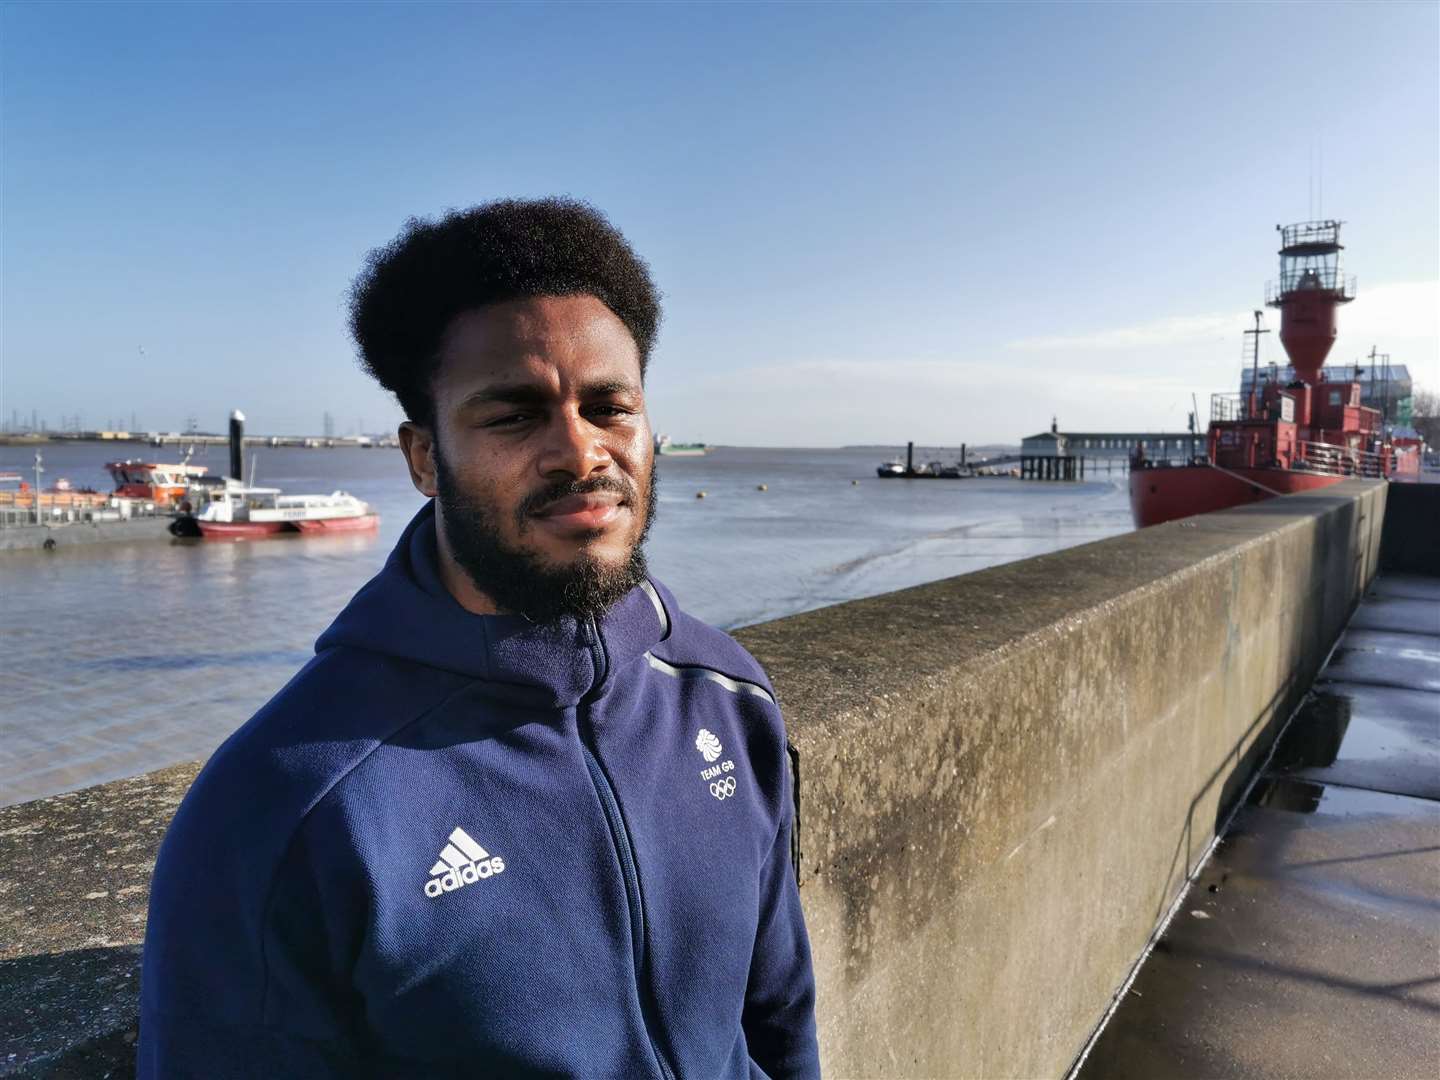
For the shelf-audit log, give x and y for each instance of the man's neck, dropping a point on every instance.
(457, 582)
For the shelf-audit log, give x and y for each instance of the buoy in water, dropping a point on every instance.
(699, 494)
(762, 487)
(854, 483)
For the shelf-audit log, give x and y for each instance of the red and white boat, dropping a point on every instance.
(1277, 440)
(238, 512)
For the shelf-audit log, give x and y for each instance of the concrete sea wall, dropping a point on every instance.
(1005, 779)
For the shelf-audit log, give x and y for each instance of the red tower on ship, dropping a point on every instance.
(1281, 439)
(1312, 286)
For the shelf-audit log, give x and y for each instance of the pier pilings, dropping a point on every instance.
(1052, 467)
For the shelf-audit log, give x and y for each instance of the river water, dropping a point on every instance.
(122, 658)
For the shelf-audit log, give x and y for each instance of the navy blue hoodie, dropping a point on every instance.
(472, 845)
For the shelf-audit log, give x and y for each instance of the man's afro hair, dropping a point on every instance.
(414, 287)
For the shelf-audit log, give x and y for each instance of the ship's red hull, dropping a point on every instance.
(345, 524)
(240, 530)
(1165, 494)
(253, 530)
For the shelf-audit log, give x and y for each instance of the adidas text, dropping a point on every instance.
(468, 874)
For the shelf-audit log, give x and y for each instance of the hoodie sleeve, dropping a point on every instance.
(240, 975)
(779, 1016)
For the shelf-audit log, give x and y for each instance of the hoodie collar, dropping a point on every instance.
(405, 611)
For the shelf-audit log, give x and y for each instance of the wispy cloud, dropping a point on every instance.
(1144, 376)
(1173, 330)
(913, 379)
(1401, 310)
(1405, 310)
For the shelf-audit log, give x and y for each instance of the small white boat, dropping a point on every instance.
(238, 512)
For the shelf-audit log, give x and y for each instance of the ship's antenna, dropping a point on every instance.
(1320, 180)
(1310, 191)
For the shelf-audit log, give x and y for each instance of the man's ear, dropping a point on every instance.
(417, 443)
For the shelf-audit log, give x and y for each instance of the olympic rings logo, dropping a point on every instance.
(723, 789)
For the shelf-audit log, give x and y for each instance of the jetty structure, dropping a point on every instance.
(1071, 842)
(929, 470)
(1064, 455)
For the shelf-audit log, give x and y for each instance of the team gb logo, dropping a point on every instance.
(708, 745)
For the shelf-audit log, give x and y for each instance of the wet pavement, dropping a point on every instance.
(1309, 945)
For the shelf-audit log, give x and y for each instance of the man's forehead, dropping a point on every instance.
(569, 328)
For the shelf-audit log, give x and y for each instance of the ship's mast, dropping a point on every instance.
(1250, 410)
(1380, 378)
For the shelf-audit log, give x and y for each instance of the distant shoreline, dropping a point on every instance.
(970, 448)
(369, 442)
(304, 442)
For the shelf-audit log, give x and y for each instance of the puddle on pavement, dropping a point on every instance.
(1373, 725)
(1314, 738)
(1334, 801)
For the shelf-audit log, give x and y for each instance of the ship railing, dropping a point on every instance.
(1225, 407)
(1310, 232)
(15, 516)
(1331, 460)
(66, 508)
(1319, 279)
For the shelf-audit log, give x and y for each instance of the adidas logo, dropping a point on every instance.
(462, 862)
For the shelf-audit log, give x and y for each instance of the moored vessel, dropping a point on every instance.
(908, 470)
(239, 512)
(668, 448)
(163, 484)
(1280, 439)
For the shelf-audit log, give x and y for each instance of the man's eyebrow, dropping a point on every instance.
(526, 394)
(518, 394)
(607, 387)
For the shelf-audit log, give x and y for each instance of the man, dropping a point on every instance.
(520, 815)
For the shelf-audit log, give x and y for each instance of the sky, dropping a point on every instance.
(870, 223)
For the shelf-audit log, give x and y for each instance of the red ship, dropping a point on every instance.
(1277, 440)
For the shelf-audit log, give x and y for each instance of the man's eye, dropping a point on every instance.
(610, 410)
(508, 420)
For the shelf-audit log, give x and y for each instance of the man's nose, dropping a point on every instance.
(574, 447)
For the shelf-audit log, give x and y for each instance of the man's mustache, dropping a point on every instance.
(537, 501)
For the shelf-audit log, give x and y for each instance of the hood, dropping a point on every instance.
(406, 612)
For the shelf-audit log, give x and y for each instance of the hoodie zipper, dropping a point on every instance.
(626, 853)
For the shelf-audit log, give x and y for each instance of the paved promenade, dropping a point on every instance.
(1310, 944)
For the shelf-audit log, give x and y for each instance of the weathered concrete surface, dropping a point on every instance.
(1310, 944)
(74, 881)
(1007, 777)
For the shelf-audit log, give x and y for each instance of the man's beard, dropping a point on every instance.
(523, 582)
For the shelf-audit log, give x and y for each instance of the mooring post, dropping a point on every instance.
(237, 440)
